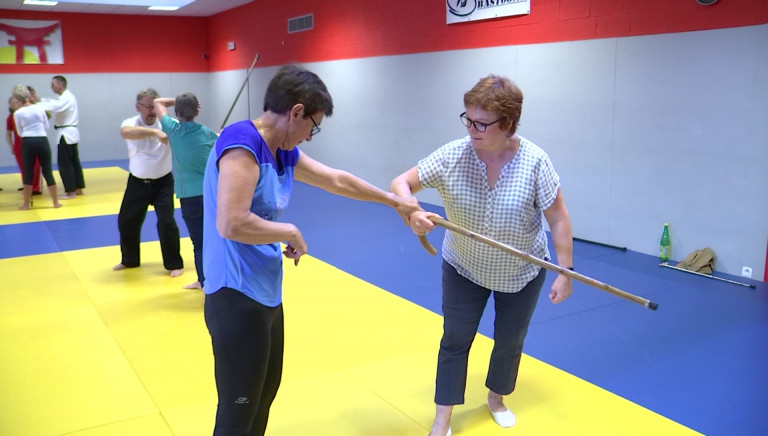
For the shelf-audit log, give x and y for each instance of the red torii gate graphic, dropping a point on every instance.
(26, 36)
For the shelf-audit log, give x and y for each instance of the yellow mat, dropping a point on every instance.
(88, 351)
(103, 195)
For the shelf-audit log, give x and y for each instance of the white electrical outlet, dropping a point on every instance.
(746, 272)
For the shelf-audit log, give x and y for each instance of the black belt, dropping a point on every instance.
(149, 180)
(68, 125)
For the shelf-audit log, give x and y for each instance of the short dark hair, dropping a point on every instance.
(292, 85)
(61, 80)
(187, 106)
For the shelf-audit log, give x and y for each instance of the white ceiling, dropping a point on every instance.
(198, 8)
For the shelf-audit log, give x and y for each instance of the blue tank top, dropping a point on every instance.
(254, 270)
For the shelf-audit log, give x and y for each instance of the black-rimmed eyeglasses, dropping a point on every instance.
(479, 126)
(315, 128)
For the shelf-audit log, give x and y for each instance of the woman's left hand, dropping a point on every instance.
(562, 288)
(292, 253)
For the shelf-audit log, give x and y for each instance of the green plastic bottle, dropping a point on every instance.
(664, 248)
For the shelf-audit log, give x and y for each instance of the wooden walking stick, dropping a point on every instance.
(536, 261)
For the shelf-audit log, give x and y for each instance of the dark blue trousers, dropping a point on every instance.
(463, 306)
(192, 212)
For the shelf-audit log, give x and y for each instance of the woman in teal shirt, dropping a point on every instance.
(191, 144)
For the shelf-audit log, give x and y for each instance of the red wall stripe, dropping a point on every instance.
(357, 29)
(103, 43)
(391, 27)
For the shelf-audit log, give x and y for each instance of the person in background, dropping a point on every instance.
(191, 144)
(150, 182)
(33, 98)
(499, 184)
(65, 119)
(247, 184)
(13, 139)
(37, 187)
(31, 122)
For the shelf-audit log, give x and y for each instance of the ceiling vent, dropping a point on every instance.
(298, 24)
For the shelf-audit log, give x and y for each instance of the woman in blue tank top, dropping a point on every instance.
(247, 184)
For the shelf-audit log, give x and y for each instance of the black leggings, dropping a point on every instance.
(247, 340)
(36, 147)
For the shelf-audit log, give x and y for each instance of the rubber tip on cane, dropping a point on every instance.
(653, 305)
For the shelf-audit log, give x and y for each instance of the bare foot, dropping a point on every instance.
(68, 196)
(195, 285)
(434, 432)
(24, 207)
(442, 423)
(118, 267)
(176, 272)
(79, 192)
(56, 205)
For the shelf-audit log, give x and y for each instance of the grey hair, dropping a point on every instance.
(147, 92)
(187, 106)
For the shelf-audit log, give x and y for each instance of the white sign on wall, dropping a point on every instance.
(457, 11)
(30, 42)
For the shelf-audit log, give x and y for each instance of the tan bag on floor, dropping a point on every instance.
(701, 261)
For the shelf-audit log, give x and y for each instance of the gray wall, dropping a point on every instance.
(105, 100)
(643, 130)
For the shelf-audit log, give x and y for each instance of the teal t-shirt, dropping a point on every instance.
(191, 144)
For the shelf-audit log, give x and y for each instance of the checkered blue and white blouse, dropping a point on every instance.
(510, 213)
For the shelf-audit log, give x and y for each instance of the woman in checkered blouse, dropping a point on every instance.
(495, 183)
